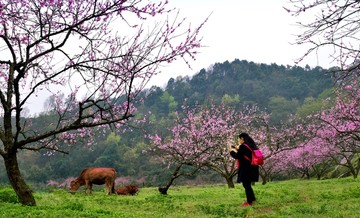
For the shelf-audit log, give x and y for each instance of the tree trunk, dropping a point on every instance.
(23, 192)
(230, 182)
(163, 190)
(264, 179)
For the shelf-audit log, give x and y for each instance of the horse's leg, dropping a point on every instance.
(107, 188)
(107, 185)
(86, 186)
(90, 184)
(111, 187)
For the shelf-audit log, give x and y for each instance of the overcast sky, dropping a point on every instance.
(254, 30)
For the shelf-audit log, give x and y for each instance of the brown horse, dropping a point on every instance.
(97, 176)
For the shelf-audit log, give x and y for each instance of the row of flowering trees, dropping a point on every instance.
(200, 138)
(328, 138)
(312, 146)
(341, 126)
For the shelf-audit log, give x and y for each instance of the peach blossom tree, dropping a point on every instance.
(333, 27)
(201, 138)
(341, 126)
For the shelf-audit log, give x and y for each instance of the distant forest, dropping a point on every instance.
(280, 90)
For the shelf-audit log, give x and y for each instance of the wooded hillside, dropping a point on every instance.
(281, 90)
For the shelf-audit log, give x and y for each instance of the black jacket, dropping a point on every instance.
(247, 172)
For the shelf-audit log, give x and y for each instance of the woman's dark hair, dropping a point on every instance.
(248, 140)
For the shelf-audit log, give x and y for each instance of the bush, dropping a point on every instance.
(8, 195)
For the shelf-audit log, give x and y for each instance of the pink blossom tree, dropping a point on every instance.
(277, 140)
(341, 126)
(335, 26)
(307, 158)
(201, 138)
(81, 47)
(332, 136)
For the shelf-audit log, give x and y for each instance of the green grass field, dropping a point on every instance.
(294, 198)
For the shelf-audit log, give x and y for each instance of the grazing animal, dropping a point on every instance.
(127, 190)
(97, 176)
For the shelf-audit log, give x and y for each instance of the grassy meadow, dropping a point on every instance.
(293, 198)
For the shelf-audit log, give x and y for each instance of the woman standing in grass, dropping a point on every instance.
(247, 173)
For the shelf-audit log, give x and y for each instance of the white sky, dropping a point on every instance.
(254, 30)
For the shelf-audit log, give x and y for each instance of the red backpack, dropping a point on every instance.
(257, 157)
